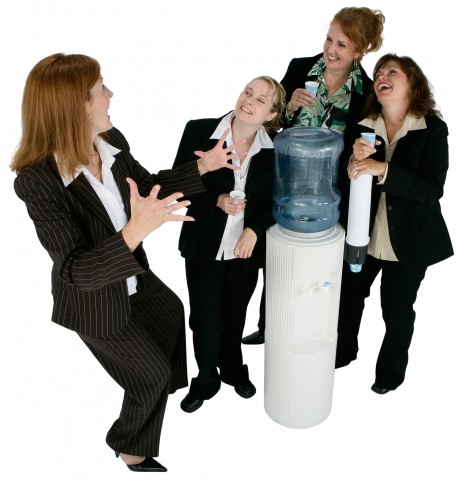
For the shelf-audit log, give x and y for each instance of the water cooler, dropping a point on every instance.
(303, 277)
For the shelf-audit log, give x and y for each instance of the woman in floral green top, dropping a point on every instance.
(343, 86)
(353, 32)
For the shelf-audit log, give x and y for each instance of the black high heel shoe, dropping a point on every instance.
(149, 464)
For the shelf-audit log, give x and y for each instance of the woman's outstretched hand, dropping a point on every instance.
(218, 157)
(149, 213)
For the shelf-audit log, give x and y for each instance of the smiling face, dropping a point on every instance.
(339, 52)
(97, 107)
(391, 84)
(254, 105)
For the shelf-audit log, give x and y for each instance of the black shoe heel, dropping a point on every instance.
(148, 465)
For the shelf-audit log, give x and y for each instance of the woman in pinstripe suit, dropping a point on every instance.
(92, 205)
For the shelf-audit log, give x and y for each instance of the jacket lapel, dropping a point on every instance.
(261, 160)
(405, 146)
(120, 175)
(82, 189)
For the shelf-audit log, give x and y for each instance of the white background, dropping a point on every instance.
(166, 64)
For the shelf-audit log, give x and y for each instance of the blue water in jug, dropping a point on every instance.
(306, 199)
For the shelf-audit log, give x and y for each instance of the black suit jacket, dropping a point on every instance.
(414, 185)
(297, 74)
(91, 261)
(201, 239)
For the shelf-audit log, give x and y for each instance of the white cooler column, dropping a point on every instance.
(303, 282)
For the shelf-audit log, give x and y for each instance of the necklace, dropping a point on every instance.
(99, 167)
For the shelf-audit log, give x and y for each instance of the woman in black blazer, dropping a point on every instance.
(92, 204)
(343, 85)
(407, 230)
(225, 246)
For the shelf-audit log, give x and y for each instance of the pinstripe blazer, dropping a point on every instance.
(91, 261)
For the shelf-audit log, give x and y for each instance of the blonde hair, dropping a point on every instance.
(54, 115)
(363, 26)
(278, 103)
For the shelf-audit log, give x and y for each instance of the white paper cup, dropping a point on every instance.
(237, 194)
(370, 137)
(312, 87)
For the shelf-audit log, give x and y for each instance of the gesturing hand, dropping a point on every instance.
(218, 157)
(149, 213)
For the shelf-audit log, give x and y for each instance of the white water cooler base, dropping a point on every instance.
(303, 281)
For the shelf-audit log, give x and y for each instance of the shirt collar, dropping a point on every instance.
(262, 139)
(353, 84)
(410, 123)
(106, 152)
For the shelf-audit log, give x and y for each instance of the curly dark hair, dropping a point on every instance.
(421, 99)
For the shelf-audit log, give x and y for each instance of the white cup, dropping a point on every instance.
(370, 137)
(312, 87)
(237, 194)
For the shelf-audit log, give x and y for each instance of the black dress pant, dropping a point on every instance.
(399, 288)
(219, 293)
(262, 305)
(147, 358)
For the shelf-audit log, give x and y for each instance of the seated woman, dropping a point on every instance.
(225, 246)
(408, 232)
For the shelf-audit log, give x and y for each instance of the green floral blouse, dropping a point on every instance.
(329, 112)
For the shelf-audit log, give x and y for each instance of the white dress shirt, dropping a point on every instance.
(234, 224)
(108, 192)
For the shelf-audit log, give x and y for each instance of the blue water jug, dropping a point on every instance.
(305, 196)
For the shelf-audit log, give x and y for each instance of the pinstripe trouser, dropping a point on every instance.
(147, 358)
